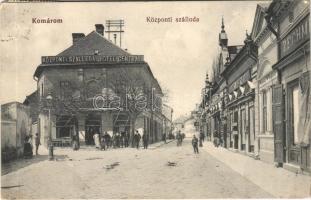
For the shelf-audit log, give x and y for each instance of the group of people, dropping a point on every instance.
(120, 140)
(196, 142)
(117, 140)
(137, 138)
(28, 145)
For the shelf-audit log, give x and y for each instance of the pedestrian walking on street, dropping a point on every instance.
(201, 139)
(179, 138)
(37, 142)
(27, 147)
(145, 140)
(126, 139)
(164, 138)
(195, 144)
(137, 138)
(107, 140)
(102, 143)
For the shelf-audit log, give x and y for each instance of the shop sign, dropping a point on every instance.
(92, 59)
(296, 37)
(240, 81)
(271, 76)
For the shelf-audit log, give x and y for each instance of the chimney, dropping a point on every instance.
(77, 36)
(99, 29)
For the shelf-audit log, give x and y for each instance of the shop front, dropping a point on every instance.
(292, 96)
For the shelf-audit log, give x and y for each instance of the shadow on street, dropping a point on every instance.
(17, 164)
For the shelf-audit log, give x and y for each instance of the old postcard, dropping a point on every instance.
(155, 100)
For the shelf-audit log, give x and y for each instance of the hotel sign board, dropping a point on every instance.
(295, 37)
(92, 59)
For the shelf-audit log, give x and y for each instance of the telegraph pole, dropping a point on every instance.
(115, 27)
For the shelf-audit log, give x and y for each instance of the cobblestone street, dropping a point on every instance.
(166, 171)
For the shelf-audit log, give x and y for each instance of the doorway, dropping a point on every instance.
(92, 126)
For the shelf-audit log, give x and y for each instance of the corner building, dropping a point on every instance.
(93, 67)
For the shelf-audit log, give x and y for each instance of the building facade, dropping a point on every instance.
(93, 87)
(266, 79)
(265, 101)
(15, 126)
(291, 96)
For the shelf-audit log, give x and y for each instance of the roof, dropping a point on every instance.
(259, 20)
(31, 98)
(234, 50)
(91, 43)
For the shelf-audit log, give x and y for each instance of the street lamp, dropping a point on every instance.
(49, 99)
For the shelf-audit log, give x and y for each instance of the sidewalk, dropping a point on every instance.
(277, 181)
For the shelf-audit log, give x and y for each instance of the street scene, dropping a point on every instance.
(166, 171)
(181, 100)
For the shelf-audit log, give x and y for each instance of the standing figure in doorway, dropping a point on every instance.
(137, 138)
(145, 140)
(96, 140)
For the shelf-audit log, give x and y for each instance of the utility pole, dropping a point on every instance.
(115, 27)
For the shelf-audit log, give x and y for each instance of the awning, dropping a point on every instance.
(235, 94)
(230, 97)
(242, 89)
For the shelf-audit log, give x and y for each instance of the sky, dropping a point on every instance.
(179, 54)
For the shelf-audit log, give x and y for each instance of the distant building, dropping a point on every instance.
(167, 112)
(185, 124)
(215, 94)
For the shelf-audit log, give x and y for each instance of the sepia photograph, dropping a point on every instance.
(155, 99)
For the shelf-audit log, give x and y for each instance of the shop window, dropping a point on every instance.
(295, 112)
(264, 111)
(65, 127)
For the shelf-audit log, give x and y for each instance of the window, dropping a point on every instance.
(264, 111)
(80, 74)
(291, 16)
(64, 89)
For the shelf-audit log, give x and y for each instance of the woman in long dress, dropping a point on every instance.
(96, 140)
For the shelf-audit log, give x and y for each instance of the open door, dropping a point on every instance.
(278, 128)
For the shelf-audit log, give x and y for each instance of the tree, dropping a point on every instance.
(136, 91)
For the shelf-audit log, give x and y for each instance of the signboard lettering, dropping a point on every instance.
(298, 35)
(97, 59)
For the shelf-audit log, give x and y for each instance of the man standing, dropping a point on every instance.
(137, 138)
(145, 140)
(201, 139)
(164, 138)
(37, 142)
(195, 144)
